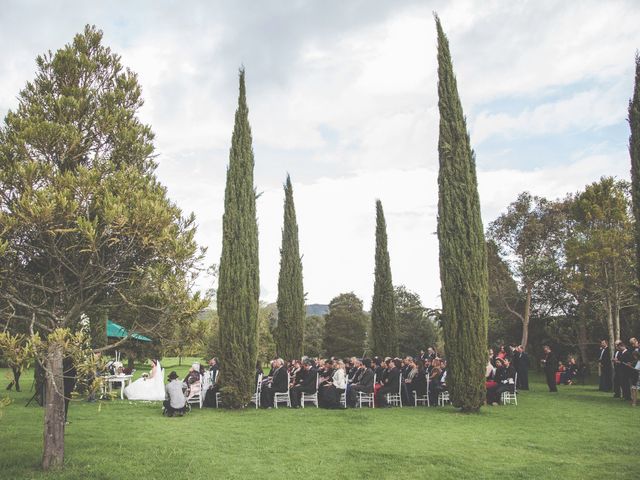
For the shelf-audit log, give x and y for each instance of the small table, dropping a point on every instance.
(122, 379)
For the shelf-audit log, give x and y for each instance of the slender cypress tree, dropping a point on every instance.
(463, 258)
(289, 333)
(634, 153)
(239, 282)
(384, 328)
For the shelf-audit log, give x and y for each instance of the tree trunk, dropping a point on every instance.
(525, 319)
(583, 341)
(53, 455)
(131, 362)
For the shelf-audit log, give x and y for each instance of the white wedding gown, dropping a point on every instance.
(151, 388)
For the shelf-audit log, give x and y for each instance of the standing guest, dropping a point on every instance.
(617, 374)
(604, 362)
(391, 382)
(523, 368)
(550, 363)
(175, 400)
(634, 388)
(435, 375)
(624, 360)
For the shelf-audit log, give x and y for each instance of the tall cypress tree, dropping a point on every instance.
(289, 334)
(634, 153)
(239, 282)
(384, 328)
(463, 258)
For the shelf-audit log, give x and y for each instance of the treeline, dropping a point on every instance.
(563, 271)
(344, 331)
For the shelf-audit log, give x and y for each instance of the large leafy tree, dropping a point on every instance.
(345, 326)
(239, 278)
(600, 252)
(289, 332)
(416, 329)
(384, 327)
(463, 258)
(86, 226)
(528, 238)
(634, 153)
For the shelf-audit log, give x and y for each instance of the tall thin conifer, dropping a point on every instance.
(634, 153)
(239, 281)
(384, 328)
(289, 333)
(463, 258)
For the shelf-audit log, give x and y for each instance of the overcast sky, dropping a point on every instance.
(342, 95)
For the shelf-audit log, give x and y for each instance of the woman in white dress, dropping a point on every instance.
(149, 388)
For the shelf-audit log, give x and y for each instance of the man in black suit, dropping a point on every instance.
(391, 382)
(307, 383)
(364, 383)
(604, 360)
(622, 372)
(279, 383)
(550, 363)
(521, 366)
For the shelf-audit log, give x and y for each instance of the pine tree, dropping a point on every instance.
(289, 333)
(384, 328)
(463, 259)
(634, 153)
(239, 280)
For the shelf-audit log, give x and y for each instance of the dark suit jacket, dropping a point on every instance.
(366, 381)
(551, 363)
(279, 382)
(393, 381)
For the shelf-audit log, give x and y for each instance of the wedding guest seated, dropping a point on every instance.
(306, 383)
(505, 379)
(391, 382)
(417, 384)
(490, 371)
(276, 383)
(175, 400)
(570, 372)
(330, 391)
(364, 383)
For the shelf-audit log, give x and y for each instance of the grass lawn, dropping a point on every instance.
(578, 433)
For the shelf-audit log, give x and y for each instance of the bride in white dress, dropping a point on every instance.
(149, 388)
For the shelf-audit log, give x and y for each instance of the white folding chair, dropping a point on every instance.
(282, 397)
(256, 396)
(311, 397)
(443, 398)
(396, 398)
(367, 398)
(424, 399)
(508, 397)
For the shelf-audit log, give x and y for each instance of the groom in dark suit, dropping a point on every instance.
(550, 363)
(364, 384)
(604, 359)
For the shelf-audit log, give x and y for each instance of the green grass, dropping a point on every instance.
(577, 434)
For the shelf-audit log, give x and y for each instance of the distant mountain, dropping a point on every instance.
(317, 309)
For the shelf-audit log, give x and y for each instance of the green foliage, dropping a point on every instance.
(314, 328)
(384, 326)
(267, 316)
(529, 241)
(84, 220)
(345, 327)
(416, 330)
(634, 153)
(463, 258)
(289, 332)
(239, 280)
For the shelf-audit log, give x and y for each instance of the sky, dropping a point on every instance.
(342, 95)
